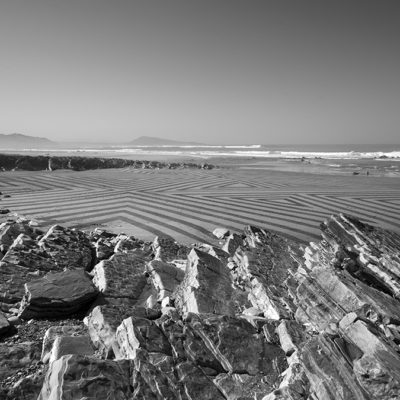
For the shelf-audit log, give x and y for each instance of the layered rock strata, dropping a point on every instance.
(258, 318)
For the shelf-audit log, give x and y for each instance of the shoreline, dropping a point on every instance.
(321, 166)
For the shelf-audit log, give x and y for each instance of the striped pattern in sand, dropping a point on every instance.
(189, 204)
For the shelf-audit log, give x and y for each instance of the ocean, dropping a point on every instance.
(360, 151)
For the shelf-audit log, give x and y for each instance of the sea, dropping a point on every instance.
(344, 159)
(360, 151)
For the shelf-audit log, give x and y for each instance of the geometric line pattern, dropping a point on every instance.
(189, 204)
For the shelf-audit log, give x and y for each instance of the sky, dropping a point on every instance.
(214, 71)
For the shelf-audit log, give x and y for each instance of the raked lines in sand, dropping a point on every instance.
(188, 204)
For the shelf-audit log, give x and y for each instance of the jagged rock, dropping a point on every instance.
(126, 243)
(206, 287)
(4, 324)
(227, 319)
(57, 295)
(236, 344)
(69, 248)
(221, 233)
(51, 335)
(232, 242)
(78, 377)
(123, 276)
(165, 277)
(270, 333)
(103, 321)
(186, 343)
(243, 386)
(214, 251)
(135, 333)
(166, 249)
(27, 259)
(295, 384)
(291, 334)
(165, 379)
(263, 261)
(377, 365)
(16, 356)
(9, 231)
(103, 242)
(322, 359)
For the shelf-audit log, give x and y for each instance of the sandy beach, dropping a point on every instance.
(288, 196)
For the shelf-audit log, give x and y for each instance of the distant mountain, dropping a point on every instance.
(17, 140)
(154, 141)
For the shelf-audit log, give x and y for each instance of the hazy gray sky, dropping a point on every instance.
(249, 71)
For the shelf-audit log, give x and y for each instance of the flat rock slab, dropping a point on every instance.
(64, 345)
(83, 377)
(57, 295)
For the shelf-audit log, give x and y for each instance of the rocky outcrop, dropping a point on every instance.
(103, 321)
(258, 318)
(206, 287)
(9, 162)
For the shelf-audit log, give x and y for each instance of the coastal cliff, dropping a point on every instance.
(107, 316)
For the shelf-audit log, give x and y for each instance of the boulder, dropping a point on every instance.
(57, 295)
(77, 377)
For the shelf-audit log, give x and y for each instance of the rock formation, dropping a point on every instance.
(11, 162)
(105, 316)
